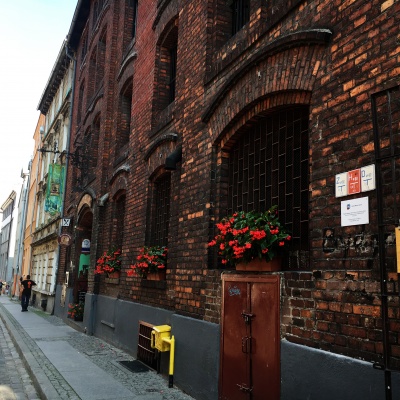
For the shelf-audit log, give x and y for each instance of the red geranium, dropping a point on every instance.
(245, 236)
(150, 259)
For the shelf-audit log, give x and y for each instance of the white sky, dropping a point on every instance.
(31, 35)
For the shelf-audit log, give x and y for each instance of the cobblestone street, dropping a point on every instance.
(15, 383)
(68, 364)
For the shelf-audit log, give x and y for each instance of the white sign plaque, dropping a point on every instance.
(355, 212)
(341, 185)
(368, 178)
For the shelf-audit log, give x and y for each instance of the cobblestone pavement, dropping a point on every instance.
(146, 385)
(15, 382)
(107, 357)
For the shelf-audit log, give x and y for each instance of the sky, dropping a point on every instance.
(31, 36)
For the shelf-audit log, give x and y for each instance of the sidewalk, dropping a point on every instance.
(66, 364)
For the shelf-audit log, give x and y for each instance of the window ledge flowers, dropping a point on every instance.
(151, 259)
(109, 262)
(75, 311)
(245, 236)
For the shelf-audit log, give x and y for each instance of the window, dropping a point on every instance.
(80, 102)
(269, 165)
(92, 75)
(97, 67)
(166, 68)
(101, 60)
(172, 73)
(119, 219)
(125, 108)
(132, 18)
(240, 14)
(160, 210)
(84, 46)
(97, 9)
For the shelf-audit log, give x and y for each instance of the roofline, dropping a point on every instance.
(53, 83)
(78, 23)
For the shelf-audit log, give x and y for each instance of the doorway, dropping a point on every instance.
(250, 337)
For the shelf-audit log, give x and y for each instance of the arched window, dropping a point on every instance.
(124, 121)
(80, 102)
(269, 165)
(119, 219)
(166, 68)
(160, 205)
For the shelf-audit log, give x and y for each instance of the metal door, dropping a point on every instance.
(250, 338)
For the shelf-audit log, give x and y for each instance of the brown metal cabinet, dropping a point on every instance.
(250, 338)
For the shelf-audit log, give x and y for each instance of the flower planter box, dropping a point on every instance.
(261, 265)
(114, 275)
(156, 276)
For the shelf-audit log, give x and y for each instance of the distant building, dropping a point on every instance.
(7, 242)
(19, 234)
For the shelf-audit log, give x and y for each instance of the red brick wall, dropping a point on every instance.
(329, 55)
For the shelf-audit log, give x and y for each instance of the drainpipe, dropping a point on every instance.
(73, 60)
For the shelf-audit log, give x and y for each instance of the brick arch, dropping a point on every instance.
(157, 154)
(258, 109)
(119, 184)
(289, 73)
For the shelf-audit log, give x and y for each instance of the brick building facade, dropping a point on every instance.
(184, 111)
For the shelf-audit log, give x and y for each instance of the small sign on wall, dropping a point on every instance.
(341, 185)
(368, 178)
(355, 212)
(355, 181)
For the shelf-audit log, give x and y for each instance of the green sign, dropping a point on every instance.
(54, 192)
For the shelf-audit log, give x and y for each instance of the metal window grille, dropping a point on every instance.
(269, 166)
(172, 73)
(125, 122)
(80, 102)
(133, 5)
(119, 221)
(240, 14)
(161, 210)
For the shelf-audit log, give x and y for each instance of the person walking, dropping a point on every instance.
(1, 287)
(26, 292)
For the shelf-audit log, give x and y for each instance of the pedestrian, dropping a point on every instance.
(1, 287)
(26, 292)
(7, 288)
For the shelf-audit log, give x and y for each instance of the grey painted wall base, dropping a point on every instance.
(306, 373)
(196, 342)
(309, 374)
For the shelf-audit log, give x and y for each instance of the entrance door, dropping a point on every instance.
(250, 338)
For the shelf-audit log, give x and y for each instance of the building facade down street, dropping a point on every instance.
(188, 112)
(32, 204)
(7, 242)
(52, 159)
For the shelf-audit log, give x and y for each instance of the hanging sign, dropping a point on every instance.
(65, 239)
(85, 246)
(65, 222)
